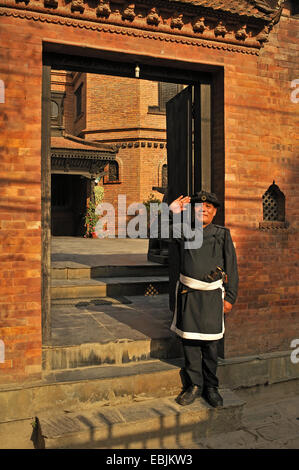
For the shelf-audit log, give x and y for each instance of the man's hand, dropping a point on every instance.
(227, 306)
(177, 205)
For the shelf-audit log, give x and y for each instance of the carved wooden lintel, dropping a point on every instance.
(214, 26)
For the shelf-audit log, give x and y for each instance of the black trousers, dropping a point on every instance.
(200, 362)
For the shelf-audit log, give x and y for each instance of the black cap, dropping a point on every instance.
(204, 196)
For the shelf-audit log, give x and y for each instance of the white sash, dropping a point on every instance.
(197, 285)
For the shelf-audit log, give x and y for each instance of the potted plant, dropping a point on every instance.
(91, 220)
(91, 217)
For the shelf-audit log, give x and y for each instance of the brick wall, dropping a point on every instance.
(20, 206)
(260, 126)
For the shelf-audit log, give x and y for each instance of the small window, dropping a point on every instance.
(78, 97)
(273, 209)
(166, 91)
(113, 172)
(274, 204)
(54, 110)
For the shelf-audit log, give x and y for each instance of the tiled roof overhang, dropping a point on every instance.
(73, 156)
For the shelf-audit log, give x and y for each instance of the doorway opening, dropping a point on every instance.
(106, 128)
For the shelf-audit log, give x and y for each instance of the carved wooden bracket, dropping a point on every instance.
(220, 30)
(153, 17)
(263, 36)
(241, 34)
(104, 9)
(199, 25)
(177, 20)
(77, 5)
(129, 12)
(51, 3)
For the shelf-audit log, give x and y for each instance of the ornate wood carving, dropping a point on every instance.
(104, 9)
(220, 30)
(51, 3)
(263, 36)
(199, 25)
(177, 20)
(241, 34)
(220, 25)
(129, 12)
(153, 17)
(77, 5)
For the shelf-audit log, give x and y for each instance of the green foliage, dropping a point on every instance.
(150, 200)
(98, 194)
(91, 219)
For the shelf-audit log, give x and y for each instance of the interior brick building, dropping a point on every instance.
(125, 114)
(249, 49)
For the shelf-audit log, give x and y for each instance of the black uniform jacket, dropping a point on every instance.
(199, 313)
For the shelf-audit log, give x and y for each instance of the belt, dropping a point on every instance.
(200, 285)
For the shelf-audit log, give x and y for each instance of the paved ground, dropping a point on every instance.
(98, 252)
(266, 425)
(271, 415)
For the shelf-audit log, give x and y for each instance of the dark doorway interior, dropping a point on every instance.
(68, 201)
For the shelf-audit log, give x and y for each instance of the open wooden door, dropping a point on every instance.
(189, 159)
(183, 140)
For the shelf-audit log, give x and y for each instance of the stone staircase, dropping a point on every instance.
(111, 371)
(113, 366)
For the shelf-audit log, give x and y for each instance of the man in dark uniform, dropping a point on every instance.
(207, 288)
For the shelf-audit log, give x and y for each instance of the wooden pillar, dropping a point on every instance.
(46, 206)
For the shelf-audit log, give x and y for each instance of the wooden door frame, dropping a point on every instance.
(74, 58)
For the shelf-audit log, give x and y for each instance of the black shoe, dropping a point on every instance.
(212, 396)
(188, 396)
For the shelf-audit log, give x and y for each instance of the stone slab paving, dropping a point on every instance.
(84, 252)
(87, 322)
(264, 426)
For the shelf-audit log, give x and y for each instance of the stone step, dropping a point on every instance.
(72, 389)
(118, 352)
(70, 271)
(109, 286)
(89, 332)
(148, 423)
